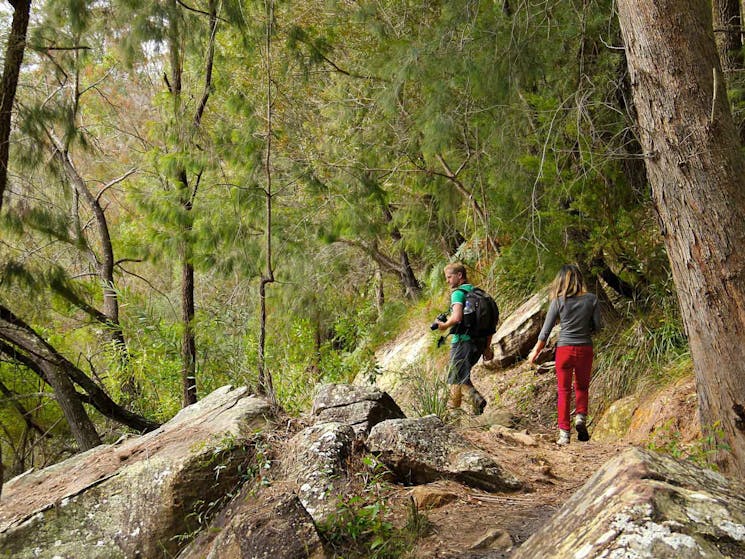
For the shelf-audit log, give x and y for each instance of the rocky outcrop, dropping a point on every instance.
(643, 505)
(653, 419)
(424, 450)
(137, 498)
(517, 335)
(272, 525)
(316, 461)
(362, 407)
(149, 496)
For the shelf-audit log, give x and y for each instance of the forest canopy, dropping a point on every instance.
(216, 191)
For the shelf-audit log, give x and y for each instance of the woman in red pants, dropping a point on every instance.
(579, 315)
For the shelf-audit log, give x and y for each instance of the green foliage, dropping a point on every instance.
(417, 132)
(701, 452)
(642, 353)
(361, 526)
(428, 390)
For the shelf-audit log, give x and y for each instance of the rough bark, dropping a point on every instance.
(14, 51)
(697, 174)
(727, 33)
(188, 340)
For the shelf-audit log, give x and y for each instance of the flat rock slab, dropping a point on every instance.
(136, 498)
(644, 505)
(424, 450)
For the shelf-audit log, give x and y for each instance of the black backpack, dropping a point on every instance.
(480, 314)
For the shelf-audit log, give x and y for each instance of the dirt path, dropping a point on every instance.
(551, 474)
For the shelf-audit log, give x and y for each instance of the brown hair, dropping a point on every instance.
(457, 268)
(568, 282)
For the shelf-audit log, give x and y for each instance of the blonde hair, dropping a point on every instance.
(568, 282)
(457, 268)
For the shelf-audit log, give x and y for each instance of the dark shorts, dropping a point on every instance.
(463, 356)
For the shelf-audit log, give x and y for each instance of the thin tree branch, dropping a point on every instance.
(114, 182)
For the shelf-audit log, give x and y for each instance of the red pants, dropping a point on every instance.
(570, 359)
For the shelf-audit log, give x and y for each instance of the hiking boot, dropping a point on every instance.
(478, 402)
(454, 398)
(580, 424)
(478, 408)
(563, 439)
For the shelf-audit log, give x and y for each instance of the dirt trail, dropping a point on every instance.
(552, 474)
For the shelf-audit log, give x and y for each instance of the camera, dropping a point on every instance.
(440, 318)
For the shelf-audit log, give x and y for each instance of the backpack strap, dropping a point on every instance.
(459, 328)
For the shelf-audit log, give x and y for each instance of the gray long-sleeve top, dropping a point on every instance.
(579, 317)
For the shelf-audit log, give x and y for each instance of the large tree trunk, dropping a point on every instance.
(11, 70)
(697, 173)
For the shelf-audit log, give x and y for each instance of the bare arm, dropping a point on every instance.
(455, 317)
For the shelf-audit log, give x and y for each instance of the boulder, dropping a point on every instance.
(644, 505)
(518, 333)
(431, 496)
(140, 497)
(362, 407)
(516, 437)
(273, 524)
(316, 461)
(426, 449)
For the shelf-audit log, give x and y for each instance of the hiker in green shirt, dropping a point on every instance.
(465, 351)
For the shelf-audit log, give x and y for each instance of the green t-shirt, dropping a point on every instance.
(458, 296)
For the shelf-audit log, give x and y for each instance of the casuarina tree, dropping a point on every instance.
(697, 172)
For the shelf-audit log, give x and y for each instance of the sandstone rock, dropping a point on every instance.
(614, 423)
(518, 437)
(431, 497)
(517, 335)
(272, 525)
(316, 461)
(362, 407)
(643, 505)
(673, 409)
(495, 538)
(426, 449)
(138, 498)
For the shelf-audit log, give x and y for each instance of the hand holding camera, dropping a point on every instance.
(440, 318)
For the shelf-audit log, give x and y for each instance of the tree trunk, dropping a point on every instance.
(21, 343)
(11, 70)
(188, 341)
(81, 427)
(697, 173)
(727, 22)
(379, 291)
(728, 36)
(411, 285)
(104, 263)
(265, 380)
